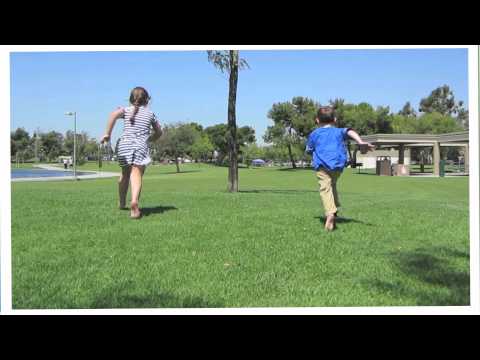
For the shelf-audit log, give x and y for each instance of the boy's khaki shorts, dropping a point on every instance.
(328, 190)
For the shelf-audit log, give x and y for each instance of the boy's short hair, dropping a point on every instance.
(326, 114)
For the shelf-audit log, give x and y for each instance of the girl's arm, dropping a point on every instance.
(157, 131)
(111, 123)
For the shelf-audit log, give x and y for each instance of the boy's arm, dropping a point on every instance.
(111, 123)
(309, 148)
(353, 134)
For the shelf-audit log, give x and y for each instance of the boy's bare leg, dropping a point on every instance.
(123, 186)
(136, 189)
(330, 222)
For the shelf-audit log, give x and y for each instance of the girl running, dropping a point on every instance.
(132, 147)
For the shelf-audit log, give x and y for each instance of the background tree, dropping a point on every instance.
(283, 132)
(52, 143)
(202, 149)
(218, 135)
(407, 110)
(87, 148)
(440, 100)
(305, 111)
(229, 61)
(251, 152)
(402, 124)
(176, 141)
(21, 145)
(436, 123)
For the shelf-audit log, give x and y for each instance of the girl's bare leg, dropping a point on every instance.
(136, 188)
(123, 186)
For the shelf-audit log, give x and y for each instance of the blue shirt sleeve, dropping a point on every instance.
(344, 133)
(309, 148)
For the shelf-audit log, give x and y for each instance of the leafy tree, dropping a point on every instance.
(283, 132)
(403, 124)
(462, 117)
(176, 141)
(305, 111)
(230, 62)
(407, 110)
(86, 147)
(202, 148)
(51, 144)
(21, 145)
(436, 123)
(251, 152)
(218, 135)
(440, 100)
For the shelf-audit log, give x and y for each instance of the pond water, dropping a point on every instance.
(34, 173)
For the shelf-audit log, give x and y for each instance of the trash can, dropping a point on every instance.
(384, 166)
(442, 168)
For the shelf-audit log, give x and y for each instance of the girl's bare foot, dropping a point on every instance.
(135, 211)
(330, 222)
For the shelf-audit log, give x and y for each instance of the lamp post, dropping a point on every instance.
(74, 114)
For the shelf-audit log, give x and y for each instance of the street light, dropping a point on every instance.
(74, 114)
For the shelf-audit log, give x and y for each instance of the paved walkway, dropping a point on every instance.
(84, 176)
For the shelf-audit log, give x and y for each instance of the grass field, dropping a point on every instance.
(400, 241)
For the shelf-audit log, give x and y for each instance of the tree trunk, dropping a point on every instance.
(289, 146)
(176, 163)
(232, 123)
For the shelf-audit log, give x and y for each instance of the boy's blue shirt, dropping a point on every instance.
(327, 145)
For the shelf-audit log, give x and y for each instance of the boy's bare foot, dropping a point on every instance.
(330, 223)
(135, 211)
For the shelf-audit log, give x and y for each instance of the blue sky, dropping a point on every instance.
(186, 87)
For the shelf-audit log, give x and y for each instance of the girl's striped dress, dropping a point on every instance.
(132, 147)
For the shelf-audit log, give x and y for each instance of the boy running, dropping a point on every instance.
(327, 145)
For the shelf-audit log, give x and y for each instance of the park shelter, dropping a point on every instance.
(402, 141)
(258, 162)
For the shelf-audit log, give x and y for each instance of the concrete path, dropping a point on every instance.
(84, 176)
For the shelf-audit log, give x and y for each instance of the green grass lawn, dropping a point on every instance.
(400, 241)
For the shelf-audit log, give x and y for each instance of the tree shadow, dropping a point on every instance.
(446, 286)
(277, 191)
(343, 220)
(147, 211)
(121, 297)
(297, 169)
(181, 172)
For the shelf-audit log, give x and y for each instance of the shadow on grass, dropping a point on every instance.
(277, 191)
(119, 298)
(297, 169)
(440, 283)
(343, 220)
(174, 172)
(146, 211)
(364, 173)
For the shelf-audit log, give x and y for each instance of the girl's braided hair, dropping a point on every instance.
(138, 97)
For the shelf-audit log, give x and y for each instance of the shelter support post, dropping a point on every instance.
(436, 158)
(401, 154)
(466, 159)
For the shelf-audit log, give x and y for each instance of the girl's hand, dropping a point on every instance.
(105, 138)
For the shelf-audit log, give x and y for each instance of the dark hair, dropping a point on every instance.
(326, 114)
(138, 97)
